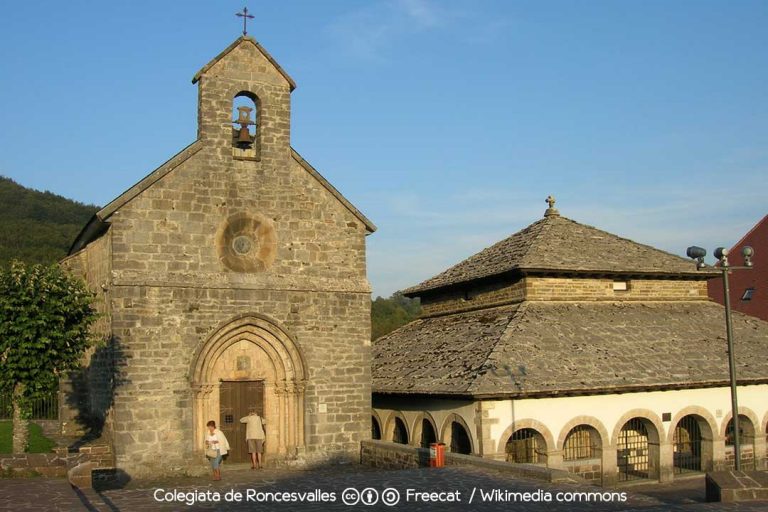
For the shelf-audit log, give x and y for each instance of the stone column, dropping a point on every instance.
(201, 399)
(666, 462)
(281, 391)
(609, 465)
(299, 402)
(760, 449)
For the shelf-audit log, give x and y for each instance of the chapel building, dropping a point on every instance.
(570, 347)
(231, 278)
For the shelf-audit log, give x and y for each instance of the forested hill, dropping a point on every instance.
(389, 314)
(37, 227)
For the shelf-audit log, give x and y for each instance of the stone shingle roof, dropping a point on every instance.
(556, 243)
(552, 348)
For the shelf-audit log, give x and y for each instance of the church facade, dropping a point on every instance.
(573, 348)
(231, 278)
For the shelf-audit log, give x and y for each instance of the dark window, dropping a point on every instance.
(400, 434)
(748, 294)
(375, 429)
(427, 433)
(460, 439)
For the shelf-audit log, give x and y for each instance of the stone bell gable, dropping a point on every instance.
(234, 278)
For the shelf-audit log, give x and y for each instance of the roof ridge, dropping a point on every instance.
(520, 232)
(545, 222)
(619, 237)
(519, 312)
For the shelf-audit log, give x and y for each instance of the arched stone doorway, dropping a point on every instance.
(527, 446)
(637, 450)
(746, 441)
(692, 444)
(247, 354)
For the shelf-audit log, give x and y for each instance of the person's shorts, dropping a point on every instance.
(255, 446)
(216, 462)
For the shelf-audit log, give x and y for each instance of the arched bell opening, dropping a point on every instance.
(246, 126)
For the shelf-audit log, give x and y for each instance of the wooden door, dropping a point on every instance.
(236, 400)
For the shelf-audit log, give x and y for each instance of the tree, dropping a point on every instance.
(389, 314)
(45, 317)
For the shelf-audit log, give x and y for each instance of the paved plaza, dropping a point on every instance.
(489, 490)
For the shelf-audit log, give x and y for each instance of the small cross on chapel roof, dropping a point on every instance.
(245, 17)
(551, 211)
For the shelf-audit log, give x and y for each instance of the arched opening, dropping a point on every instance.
(690, 451)
(399, 432)
(582, 442)
(460, 442)
(249, 363)
(428, 435)
(526, 446)
(246, 126)
(375, 428)
(746, 440)
(637, 451)
(582, 452)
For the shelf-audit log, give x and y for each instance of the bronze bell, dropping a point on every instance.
(244, 138)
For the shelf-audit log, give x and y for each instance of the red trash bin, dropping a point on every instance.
(437, 455)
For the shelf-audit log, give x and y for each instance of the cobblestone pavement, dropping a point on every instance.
(56, 495)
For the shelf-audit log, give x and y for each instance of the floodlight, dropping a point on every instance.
(721, 252)
(747, 252)
(695, 252)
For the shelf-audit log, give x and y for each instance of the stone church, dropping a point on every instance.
(231, 278)
(567, 346)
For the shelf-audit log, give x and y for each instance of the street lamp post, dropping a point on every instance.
(698, 253)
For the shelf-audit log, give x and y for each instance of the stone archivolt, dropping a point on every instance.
(279, 363)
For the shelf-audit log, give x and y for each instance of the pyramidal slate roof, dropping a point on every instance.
(540, 348)
(556, 243)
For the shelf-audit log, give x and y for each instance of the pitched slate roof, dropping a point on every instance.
(556, 243)
(554, 348)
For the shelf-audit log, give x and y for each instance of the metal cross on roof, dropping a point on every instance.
(551, 201)
(245, 17)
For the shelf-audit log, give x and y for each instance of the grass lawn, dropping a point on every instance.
(38, 443)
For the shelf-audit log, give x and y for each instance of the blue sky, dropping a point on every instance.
(446, 122)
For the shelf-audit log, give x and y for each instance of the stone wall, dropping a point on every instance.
(588, 469)
(486, 295)
(386, 455)
(577, 288)
(58, 462)
(86, 395)
(159, 329)
(507, 291)
(748, 459)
